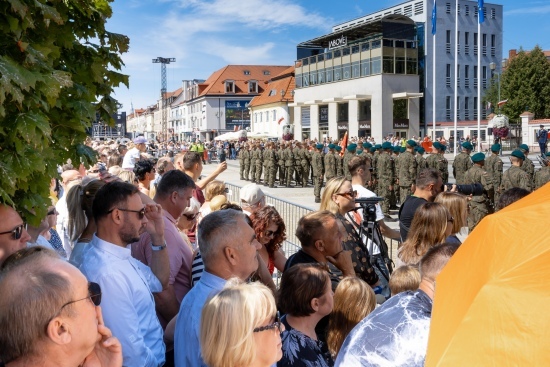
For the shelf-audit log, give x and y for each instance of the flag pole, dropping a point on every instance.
(434, 19)
(481, 18)
(455, 140)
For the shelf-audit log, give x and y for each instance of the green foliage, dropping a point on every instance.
(526, 85)
(57, 71)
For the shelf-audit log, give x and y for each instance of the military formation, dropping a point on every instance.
(393, 170)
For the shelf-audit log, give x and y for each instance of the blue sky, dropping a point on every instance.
(206, 35)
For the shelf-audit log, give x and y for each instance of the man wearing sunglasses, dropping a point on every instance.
(127, 284)
(13, 232)
(49, 315)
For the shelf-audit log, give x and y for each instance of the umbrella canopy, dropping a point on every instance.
(233, 135)
(260, 135)
(491, 299)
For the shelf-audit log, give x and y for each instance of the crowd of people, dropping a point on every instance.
(144, 262)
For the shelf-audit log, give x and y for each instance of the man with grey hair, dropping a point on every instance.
(228, 248)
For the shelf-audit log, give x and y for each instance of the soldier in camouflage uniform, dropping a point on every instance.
(386, 178)
(281, 165)
(259, 163)
(339, 160)
(330, 163)
(265, 161)
(394, 198)
(289, 163)
(348, 155)
(305, 157)
(407, 171)
(420, 160)
(317, 167)
(244, 154)
(462, 162)
(527, 165)
(542, 176)
(375, 155)
(437, 161)
(253, 158)
(270, 162)
(297, 163)
(493, 166)
(515, 176)
(479, 204)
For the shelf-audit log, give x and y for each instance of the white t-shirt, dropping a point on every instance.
(130, 158)
(362, 192)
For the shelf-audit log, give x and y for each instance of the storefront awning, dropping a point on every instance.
(407, 95)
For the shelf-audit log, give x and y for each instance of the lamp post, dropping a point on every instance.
(219, 114)
(493, 67)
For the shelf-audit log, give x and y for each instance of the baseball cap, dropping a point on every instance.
(251, 194)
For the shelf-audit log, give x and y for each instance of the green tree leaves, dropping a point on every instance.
(58, 68)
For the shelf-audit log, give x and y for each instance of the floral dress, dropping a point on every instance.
(299, 350)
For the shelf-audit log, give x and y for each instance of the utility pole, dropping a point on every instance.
(164, 122)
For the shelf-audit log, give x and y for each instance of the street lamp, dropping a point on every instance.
(493, 67)
(219, 114)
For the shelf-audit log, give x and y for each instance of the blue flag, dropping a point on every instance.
(434, 18)
(480, 12)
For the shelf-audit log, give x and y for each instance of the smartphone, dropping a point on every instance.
(222, 158)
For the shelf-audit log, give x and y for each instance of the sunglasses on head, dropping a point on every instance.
(276, 324)
(190, 217)
(16, 232)
(141, 212)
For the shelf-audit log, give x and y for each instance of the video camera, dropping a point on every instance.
(368, 206)
(471, 189)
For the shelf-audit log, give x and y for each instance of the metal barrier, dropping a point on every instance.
(290, 213)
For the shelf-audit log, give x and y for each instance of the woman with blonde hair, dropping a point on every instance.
(240, 327)
(432, 223)
(211, 190)
(457, 204)
(353, 301)
(339, 198)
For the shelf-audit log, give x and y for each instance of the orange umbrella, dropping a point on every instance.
(344, 143)
(491, 299)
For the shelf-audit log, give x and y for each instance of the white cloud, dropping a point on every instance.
(529, 10)
(242, 55)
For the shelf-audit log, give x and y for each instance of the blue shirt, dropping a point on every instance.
(127, 302)
(394, 334)
(186, 336)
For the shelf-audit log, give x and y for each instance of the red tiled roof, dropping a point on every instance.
(272, 92)
(215, 84)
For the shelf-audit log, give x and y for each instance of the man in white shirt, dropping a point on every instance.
(133, 155)
(359, 177)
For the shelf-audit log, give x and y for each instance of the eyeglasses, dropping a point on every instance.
(277, 324)
(350, 194)
(191, 217)
(17, 231)
(451, 219)
(94, 294)
(269, 233)
(141, 212)
(52, 212)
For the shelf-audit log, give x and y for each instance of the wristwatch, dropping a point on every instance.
(158, 248)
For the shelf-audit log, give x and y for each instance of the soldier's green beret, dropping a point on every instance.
(478, 157)
(338, 148)
(518, 154)
(402, 150)
(352, 147)
(367, 145)
(319, 146)
(396, 149)
(359, 151)
(467, 145)
(331, 146)
(378, 146)
(386, 145)
(443, 147)
(411, 143)
(372, 149)
(495, 148)
(437, 145)
(421, 150)
(524, 147)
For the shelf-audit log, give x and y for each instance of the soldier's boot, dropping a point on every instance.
(317, 199)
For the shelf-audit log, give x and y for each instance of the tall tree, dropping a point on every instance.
(58, 69)
(526, 85)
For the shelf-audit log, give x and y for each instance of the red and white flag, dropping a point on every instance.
(502, 103)
(280, 120)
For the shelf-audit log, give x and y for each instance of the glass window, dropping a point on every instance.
(448, 74)
(376, 65)
(343, 112)
(400, 65)
(355, 49)
(305, 79)
(320, 57)
(337, 53)
(411, 44)
(298, 80)
(466, 71)
(355, 69)
(321, 76)
(328, 55)
(313, 59)
(305, 62)
(388, 65)
(365, 67)
(313, 78)
(466, 37)
(493, 40)
(412, 66)
(365, 46)
(328, 75)
(345, 51)
(388, 43)
(376, 44)
(346, 71)
(337, 73)
(399, 44)
(448, 37)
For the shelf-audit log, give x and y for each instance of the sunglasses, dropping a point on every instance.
(52, 212)
(141, 212)
(350, 194)
(277, 324)
(269, 233)
(191, 217)
(17, 231)
(94, 294)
